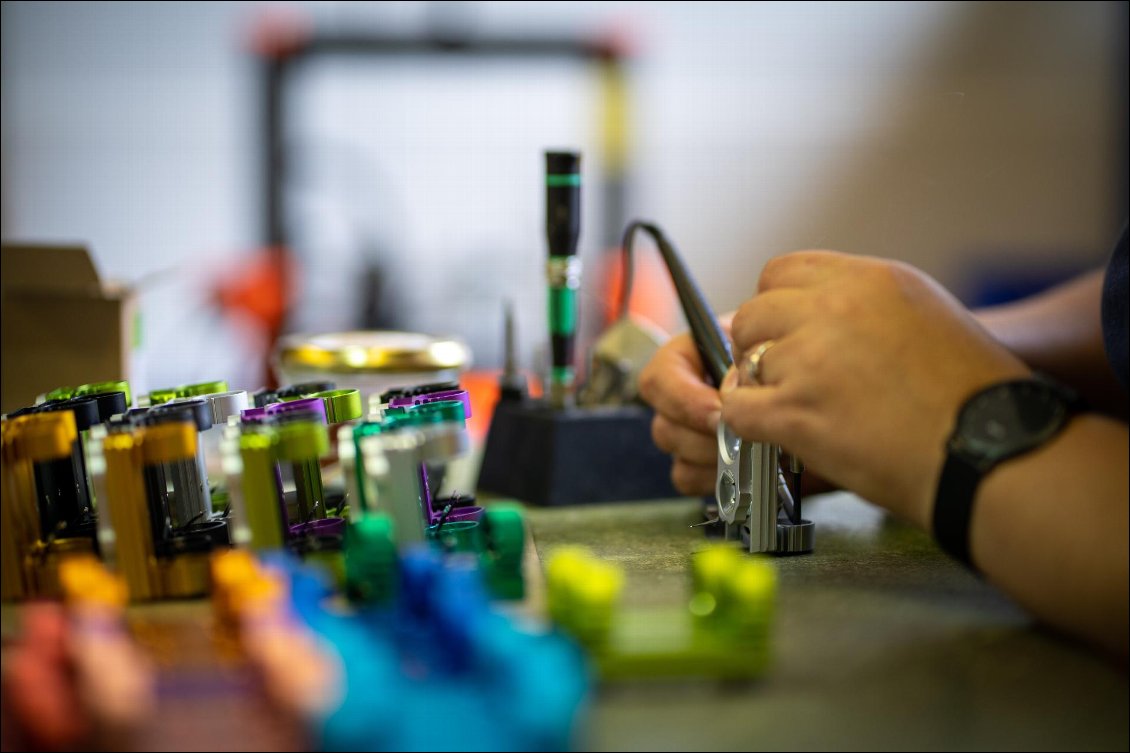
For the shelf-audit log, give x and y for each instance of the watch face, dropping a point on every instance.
(1009, 418)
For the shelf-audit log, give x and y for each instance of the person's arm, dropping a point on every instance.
(871, 361)
(1050, 528)
(1059, 332)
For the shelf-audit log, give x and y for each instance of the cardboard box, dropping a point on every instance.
(61, 325)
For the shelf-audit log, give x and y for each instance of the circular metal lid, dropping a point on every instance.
(372, 351)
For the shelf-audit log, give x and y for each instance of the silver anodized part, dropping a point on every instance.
(226, 404)
(726, 489)
(795, 538)
(753, 499)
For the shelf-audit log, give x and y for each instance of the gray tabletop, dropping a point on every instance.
(880, 643)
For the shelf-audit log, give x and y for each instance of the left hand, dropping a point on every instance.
(871, 361)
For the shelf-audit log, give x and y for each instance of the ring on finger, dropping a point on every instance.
(754, 360)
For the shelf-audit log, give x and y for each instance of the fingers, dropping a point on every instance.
(685, 444)
(673, 384)
(693, 480)
(764, 414)
(768, 316)
(804, 269)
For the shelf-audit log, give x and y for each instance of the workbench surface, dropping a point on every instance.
(880, 643)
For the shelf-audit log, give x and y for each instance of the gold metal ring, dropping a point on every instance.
(753, 361)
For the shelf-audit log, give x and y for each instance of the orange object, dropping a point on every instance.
(279, 33)
(653, 294)
(482, 388)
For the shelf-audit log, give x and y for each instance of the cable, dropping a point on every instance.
(712, 345)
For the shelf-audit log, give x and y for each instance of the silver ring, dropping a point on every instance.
(753, 361)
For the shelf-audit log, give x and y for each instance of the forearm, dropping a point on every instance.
(1055, 538)
(1060, 333)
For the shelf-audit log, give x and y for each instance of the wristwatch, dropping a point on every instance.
(999, 422)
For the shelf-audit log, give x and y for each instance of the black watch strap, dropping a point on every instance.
(953, 506)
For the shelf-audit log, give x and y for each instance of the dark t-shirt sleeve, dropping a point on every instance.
(1115, 309)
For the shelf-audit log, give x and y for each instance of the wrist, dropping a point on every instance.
(999, 422)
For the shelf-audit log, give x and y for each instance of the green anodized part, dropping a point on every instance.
(393, 418)
(341, 405)
(157, 397)
(367, 429)
(562, 311)
(566, 180)
(458, 536)
(202, 388)
(441, 411)
(102, 388)
(302, 440)
(562, 374)
(370, 559)
(504, 534)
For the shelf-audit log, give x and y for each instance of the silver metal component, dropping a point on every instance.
(96, 467)
(795, 538)
(796, 465)
(231, 463)
(392, 461)
(226, 404)
(730, 474)
(564, 271)
(754, 500)
(617, 360)
(512, 384)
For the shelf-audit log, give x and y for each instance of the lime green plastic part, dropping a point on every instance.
(341, 405)
(723, 631)
(202, 388)
(157, 397)
(260, 490)
(102, 388)
(302, 440)
(60, 393)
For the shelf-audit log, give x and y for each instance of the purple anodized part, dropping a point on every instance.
(253, 415)
(319, 527)
(308, 404)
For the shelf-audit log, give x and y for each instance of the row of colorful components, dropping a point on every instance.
(153, 461)
(370, 678)
(385, 464)
(431, 642)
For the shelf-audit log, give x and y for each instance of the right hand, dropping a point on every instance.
(687, 411)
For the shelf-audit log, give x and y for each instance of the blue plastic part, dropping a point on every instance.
(438, 669)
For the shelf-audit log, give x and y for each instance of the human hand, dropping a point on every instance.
(870, 362)
(686, 413)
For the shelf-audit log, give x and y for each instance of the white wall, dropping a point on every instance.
(946, 134)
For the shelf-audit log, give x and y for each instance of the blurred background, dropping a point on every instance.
(260, 168)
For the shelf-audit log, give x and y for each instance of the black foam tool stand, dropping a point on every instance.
(550, 457)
